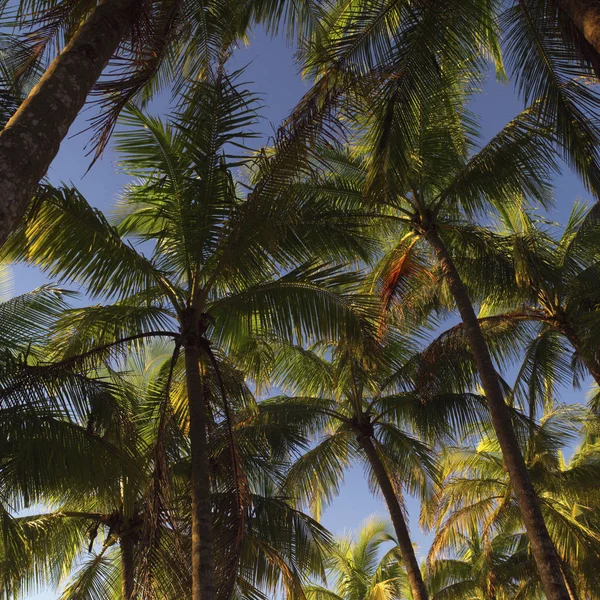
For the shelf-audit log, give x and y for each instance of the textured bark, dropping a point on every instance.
(203, 569)
(32, 137)
(127, 566)
(542, 547)
(407, 551)
(585, 14)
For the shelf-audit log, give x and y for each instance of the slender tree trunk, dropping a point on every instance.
(542, 548)
(203, 569)
(407, 550)
(585, 15)
(32, 137)
(127, 565)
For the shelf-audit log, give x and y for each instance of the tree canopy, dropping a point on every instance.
(378, 286)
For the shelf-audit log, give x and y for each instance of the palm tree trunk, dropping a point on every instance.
(585, 15)
(542, 548)
(407, 551)
(127, 566)
(32, 137)
(203, 569)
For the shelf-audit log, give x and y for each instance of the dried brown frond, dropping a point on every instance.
(158, 516)
(231, 538)
(140, 58)
(46, 32)
(402, 267)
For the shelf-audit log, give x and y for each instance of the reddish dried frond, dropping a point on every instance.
(403, 272)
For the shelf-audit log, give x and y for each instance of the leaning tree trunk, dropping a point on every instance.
(585, 15)
(203, 569)
(415, 578)
(127, 564)
(542, 547)
(32, 137)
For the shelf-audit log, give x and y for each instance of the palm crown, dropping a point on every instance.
(476, 497)
(222, 266)
(430, 181)
(557, 278)
(362, 404)
(364, 569)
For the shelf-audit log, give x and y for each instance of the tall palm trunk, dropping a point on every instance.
(407, 551)
(543, 549)
(32, 137)
(203, 569)
(585, 15)
(127, 565)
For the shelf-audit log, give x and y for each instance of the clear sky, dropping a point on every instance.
(274, 75)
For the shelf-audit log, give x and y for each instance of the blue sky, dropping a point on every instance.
(275, 76)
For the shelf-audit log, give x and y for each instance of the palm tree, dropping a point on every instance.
(223, 266)
(583, 464)
(33, 403)
(151, 44)
(122, 531)
(363, 569)
(477, 496)
(94, 518)
(480, 568)
(434, 185)
(360, 403)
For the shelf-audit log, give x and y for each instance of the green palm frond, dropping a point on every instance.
(310, 303)
(548, 69)
(364, 567)
(517, 161)
(82, 330)
(97, 578)
(26, 320)
(69, 239)
(38, 550)
(317, 475)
